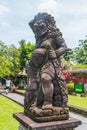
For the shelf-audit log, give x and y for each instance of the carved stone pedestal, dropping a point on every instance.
(47, 115)
(27, 124)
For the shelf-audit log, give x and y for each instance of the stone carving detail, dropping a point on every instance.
(46, 94)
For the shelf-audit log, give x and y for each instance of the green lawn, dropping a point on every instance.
(73, 100)
(77, 101)
(7, 108)
(23, 91)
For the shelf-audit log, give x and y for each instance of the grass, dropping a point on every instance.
(77, 101)
(73, 100)
(23, 91)
(7, 108)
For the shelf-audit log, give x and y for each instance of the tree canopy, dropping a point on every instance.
(25, 52)
(13, 59)
(9, 60)
(81, 52)
(78, 55)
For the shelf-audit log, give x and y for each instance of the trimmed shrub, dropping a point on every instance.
(86, 92)
(70, 87)
(21, 86)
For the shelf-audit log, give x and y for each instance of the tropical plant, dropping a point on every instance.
(25, 52)
(81, 52)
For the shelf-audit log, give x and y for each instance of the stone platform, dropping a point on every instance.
(47, 115)
(27, 124)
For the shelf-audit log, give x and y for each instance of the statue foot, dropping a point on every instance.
(47, 105)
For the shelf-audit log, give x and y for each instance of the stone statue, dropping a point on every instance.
(46, 95)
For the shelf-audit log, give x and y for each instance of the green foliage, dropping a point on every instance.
(66, 65)
(86, 92)
(3, 49)
(68, 56)
(77, 55)
(81, 52)
(21, 85)
(13, 59)
(13, 56)
(70, 87)
(78, 66)
(5, 66)
(9, 60)
(7, 108)
(25, 52)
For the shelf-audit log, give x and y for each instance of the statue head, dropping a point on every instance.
(43, 26)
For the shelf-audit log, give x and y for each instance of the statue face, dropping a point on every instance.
(40, 28)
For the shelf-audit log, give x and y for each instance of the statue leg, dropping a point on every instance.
(32, 85)
(47, 88)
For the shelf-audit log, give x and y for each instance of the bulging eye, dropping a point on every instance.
(35, 25)
(43, 25)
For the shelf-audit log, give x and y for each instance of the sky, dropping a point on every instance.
(70, 17)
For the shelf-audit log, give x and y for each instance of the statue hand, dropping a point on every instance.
(52, 54)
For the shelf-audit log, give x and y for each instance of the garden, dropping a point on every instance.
(14, 60)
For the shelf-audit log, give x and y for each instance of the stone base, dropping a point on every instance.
(27, 124)
(46, 115)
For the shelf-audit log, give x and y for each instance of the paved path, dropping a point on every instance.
(15, 97)
(20, 99)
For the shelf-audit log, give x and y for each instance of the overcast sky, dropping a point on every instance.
(70, 16)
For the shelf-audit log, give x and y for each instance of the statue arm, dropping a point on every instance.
(61, 49)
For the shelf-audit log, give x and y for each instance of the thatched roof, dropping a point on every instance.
(22, 73)
(79, 71)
